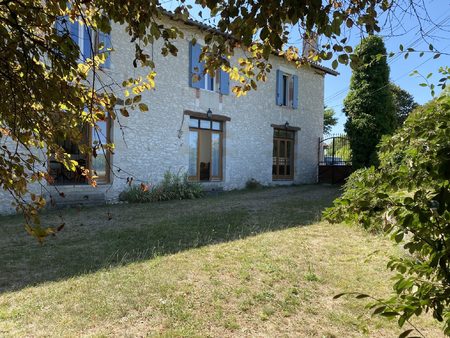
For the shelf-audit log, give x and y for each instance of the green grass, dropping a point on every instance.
(237, 264)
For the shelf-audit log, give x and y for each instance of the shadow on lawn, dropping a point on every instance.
(109, 236)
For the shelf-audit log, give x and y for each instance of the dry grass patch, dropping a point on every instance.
(266, 284)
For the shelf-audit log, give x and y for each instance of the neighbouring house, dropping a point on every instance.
(270, 134)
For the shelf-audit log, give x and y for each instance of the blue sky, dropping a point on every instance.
(336, 88)
(406, 32)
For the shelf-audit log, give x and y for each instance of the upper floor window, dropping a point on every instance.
(89, 41)
(212, 83)
(220, 82)
(287, 90)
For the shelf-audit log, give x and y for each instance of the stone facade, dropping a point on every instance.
(148, 144)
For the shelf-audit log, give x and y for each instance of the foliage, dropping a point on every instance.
(403, 102)
(345, 153)
(408, 197)
(442, 83)
(368, 105)
(172, 187)
(253, 184)
(329, 120)
(339, 147)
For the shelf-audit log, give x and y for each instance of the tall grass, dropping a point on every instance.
(172, 187)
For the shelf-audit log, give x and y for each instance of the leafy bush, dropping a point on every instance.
(172, 187)
(408, 197)
(253, 184)
(369, 106)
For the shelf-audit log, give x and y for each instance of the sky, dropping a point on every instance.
(405, 31)
(336, 88)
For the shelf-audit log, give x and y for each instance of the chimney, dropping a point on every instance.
(309, 44)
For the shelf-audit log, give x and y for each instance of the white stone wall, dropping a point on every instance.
(152, 139)
(148, 144)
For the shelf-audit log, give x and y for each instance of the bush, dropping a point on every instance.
(408, 197)
(172, 187)
(369, 106)
(253, 184)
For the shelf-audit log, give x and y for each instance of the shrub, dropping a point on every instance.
(408, 197)
(135, 194)
(172, 187)
(368, 106)
(253, 184)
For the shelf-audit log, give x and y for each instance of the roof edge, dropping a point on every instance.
(202, 26)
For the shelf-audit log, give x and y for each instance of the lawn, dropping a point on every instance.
(249, 263)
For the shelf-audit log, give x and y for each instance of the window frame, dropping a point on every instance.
(286, 139)
(287, 90)
(215, 82)
(94, 44)
(88, 139)
(107, 178)
(208, 131)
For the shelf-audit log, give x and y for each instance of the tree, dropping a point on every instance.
(50, 91)
(328, 120)
(368, 106)
(408, 198)
(403, 102)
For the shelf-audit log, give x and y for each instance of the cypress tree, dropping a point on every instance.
(369, 104)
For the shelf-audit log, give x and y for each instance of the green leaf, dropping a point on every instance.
(339, 295)
(143, 107)
(124, 112)
(334, 64)
(378, 310)
(406, 333)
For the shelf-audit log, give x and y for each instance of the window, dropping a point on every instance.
(87, 39)
(287, 79)
(287, 90)
(205, 149)
(220, 82)
(211, 83)
(98, 164)
(283, 154)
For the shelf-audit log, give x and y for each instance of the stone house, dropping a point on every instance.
(200, 127)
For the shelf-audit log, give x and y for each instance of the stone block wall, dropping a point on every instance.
(150, 143)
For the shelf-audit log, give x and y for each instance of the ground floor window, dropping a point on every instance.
(205, 149)
(98, 164)
(283, 154)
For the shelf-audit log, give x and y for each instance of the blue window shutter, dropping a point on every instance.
(295, 91)
(224, 83)
(88, 42)
(195, 66)
(73, 30)
(64, 26)
(105, 39)
(279, 93)
(61, 25)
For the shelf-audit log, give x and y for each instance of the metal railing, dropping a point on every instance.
(334, 150)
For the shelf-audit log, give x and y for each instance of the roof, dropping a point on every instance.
(202, 26)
